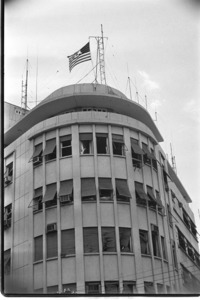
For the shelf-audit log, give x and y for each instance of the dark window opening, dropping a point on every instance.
(137, 153)
(52, 289)
(93, 288)
(141, 196)
(8, 176)
(182, 241)
(38, 248)
(161, 208)
(85, 143)
(155, 240)
(160, 288)
(164, 254)
(186, 219)
(90, 238)
(7, 216)
(165, 175)
(102, 143)
(67, 242)
(174, 254)
(190, 251)
(52, 245)
(152, 199)
(118, 145)
(105, 189)
(125, 239)
(108, 239)
(111, 287)
(7, 261)
(147, 155)
(66, 145)
(154, 160)
(122, 190)
(149, 288)
(69, 288)
(129, 287)
(88, 189)
(37, 200)
(144, 242)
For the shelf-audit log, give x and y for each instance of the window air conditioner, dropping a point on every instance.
(65, 199)
(51, 227)
(7, 179)
(37, 159)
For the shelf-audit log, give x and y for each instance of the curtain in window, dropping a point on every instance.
(108, 239)
(125, 239)
(90, 237)
(52, 245)
(67, 242)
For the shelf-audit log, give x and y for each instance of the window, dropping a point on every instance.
(197, 258)
(50, 197)
(155, 241)
(147, 155)
(141, 196)
(165, 175)
(102, 143)
(8, 176)
(52, 289)
(118, 144)
(7, 261)
(152, 199)
(161, 208)
(190, 282)
(186, 219)
(37, 155)
(122, 190)
(149, 288)
(66, 145)
(66, 191)
(144, 242)
(174, 253)
(125, 240)
(93, 288)
(169, 215)
(85, 143)
(90, 238)
(38, 248)
(67, 242)
(112, 287)
(69, 288)
(129, 287)
(52, 245)
(50, 150)
(7, 216)
(190, 251)
(105, 189)
(37, 199)
(160, 288)
(108, 239)
(193, 229)
(182, 240)
(164, 255)
(88, 189)
(136, 153)
(154, 160)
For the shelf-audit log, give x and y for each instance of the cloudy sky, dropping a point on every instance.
(154, 42)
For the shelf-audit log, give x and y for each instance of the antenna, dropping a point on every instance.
(146, 101)
(173, 160)
(24, 90)
(36, 80)
(100, 61)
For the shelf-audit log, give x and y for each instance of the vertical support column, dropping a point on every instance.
(31, 226)
(58, 212)
(115, 210)
(12, 220)
(98, 211)
(44, 224)
(134, 217)
(78, 211)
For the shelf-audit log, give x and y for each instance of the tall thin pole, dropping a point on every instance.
(36, 80)
(130, 87)
(26, 86)
(146, 101)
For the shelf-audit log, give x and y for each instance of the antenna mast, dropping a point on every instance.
(24, 90)
(173, 160)
(100, 57)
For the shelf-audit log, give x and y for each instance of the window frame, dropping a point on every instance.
(92, 292)
(106, 142)
(93, 243)
(86, 137)
(105, 239)
(68, 234)
(38, 255)
(155, 240)
(49, 252)
(63, 139)
(38, 159)
(142, 241)
(7, 216)
(125, 230)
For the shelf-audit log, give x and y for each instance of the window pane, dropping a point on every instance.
(125, 239)
(129, 287)
(144, 243)
(52, 289)
(163, 247)
(102, 144)
(38, 248)
(155, 242)
(67, 242)
(90, 237)
(148, 288)
(52, 246)
(93, 288)
(69, 288)
(111, 288)
(108, 239)
(7, 257)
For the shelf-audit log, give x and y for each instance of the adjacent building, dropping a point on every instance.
(91, 203)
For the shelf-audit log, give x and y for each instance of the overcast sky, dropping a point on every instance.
(154, 42)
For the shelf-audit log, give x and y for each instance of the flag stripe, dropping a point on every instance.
(80, 56)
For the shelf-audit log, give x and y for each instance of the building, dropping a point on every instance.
(91, 203)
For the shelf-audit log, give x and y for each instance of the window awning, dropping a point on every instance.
(159, 201)
(38, 151)
(105, 184)
(50, 146)
(140, 192)
(136, 148)
(122, 188)
(38, 193)
(101, 135)
(117, 138)
(65, 138)
(85, 136)
(50, 192)
(88, 187)
(147, 152)
(150, 193)
(66, 188)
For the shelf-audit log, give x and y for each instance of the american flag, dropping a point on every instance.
(80, 56)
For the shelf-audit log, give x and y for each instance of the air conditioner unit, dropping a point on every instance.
(65, 199)
(180, 204)
(51, 227)
(37, 160)
(7, 179)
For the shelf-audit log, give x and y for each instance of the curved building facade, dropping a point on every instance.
(91, 203)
